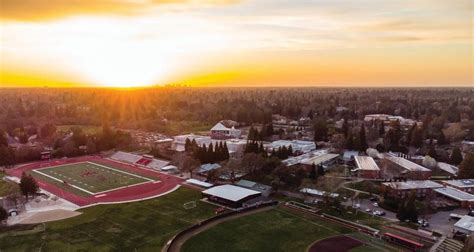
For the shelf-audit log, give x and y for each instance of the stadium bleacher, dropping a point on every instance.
(145, 160)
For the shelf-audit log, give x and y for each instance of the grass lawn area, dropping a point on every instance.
(144, 226)
(87, 129)
(90, 177)
(273, 230)
(6, 187)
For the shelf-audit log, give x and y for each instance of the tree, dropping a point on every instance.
(3, 139)
(28, 185)
(466, 168)
(321, 171)
(362, 139)
(47, 130)
(3, 214)
(417, 137)
(320, 130)
(313, 174)
(91, 147)
(456, 157)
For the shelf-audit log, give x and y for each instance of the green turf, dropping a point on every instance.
(6, 187)
(273, 230)
(92, 177)
(140, 226)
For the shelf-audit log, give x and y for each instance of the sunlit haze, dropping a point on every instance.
(130, 43)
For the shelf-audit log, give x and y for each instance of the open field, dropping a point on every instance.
(274, 230)
(89, 177)
(6, 187)
(145, 225)
(87, 129)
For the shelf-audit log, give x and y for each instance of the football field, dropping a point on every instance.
(91, 178)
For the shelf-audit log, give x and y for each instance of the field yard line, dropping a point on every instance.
(51, 177)
(131, 174)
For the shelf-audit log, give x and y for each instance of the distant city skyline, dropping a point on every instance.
(129, 43)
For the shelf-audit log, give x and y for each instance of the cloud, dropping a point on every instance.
(35, 10)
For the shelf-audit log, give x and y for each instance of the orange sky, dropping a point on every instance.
(126, 43)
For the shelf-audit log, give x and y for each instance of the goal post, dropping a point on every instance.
(189, 205)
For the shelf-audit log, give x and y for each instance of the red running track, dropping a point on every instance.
(131, 193)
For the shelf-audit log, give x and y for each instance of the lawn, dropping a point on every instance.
(145, 225)
(87, 129)
(273, 230)
(90, 177)
(6, 187)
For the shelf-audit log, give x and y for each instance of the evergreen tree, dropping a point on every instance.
(362, 139)
(313, 173)
(417, 137)
(381, 129)
(320, 130)
(456, 157)
(28, 185)
(321, 171)
(290, 151)
(466, 168)
(345, 127)
(187, 145)
(350, 141)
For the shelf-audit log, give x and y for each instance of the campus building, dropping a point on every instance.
(464, 199)
(421, 188)
(366, 167)
(465, 185)
(401, 167)
(299, 147)
(219, 131)
(230, 195)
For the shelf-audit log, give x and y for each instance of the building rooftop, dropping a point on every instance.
(466, 223)
(456, 194)
(208, 167)
(407, 164)
(413, 184)
(199, 183)
(366, 163)
(451, 169)
(318, 192)
(319, 159)
(461, 183)
(296, 160)
(230, 192)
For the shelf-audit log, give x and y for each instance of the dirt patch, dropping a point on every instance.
(339, 243)
(46, 216)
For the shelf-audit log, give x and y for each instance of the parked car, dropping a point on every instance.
(357, 206)
(373, 199)
(375, 204)
(423, 223)
(368, 210)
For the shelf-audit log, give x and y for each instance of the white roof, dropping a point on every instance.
(456, 194)
(169, 167)
(407, 164)
(126, 157)
(318, 192)
(461, 183)
(219, 126)
(413, 184)
(366, 163)
(230, 192)
(448, 168)
(157, 163)
(199, 183)
(319, 159)
(466, 223)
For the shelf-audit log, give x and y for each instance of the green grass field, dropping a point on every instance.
(89, 177)
(140, 226)
(274, 230)
(6, 187)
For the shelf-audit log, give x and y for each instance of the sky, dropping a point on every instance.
(130, 43)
